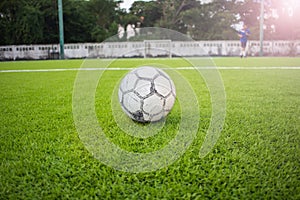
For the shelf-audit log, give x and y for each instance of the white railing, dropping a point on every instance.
(140, 49)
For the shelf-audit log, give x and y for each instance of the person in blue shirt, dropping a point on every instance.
(244, 34)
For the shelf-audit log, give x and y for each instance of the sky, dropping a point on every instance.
(127, 3)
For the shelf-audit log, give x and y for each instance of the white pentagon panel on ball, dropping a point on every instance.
(170, 100)
(128, 82)
(143, 88)
(158, 117)
(163, 86)
(147, 72)
(146, 118)
(153, 105)
(131, 102)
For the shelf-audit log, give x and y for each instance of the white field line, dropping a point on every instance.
(176, 68)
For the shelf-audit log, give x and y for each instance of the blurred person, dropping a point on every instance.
(244, 34)
(130, 31)
(121, 31)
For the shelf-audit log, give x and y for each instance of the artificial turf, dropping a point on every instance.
(256, 156)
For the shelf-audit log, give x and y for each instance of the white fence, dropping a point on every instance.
(143, 49)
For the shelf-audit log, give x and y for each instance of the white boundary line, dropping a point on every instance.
(125, 69)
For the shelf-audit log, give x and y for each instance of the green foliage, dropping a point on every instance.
(211, 21)
(24, 21)
(151, 11)
(172, 13)
(77, 24)
(36, 21)
(256, 157)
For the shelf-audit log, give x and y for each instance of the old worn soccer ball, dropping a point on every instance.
(147, 94)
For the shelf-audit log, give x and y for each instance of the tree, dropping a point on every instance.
(172, 13)
(80, 21)
(211, 21)
(104, 18)
(36, 21)
(50, 17)
(150, 12)
(21, 22)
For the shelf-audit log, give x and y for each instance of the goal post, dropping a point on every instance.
(157, 48)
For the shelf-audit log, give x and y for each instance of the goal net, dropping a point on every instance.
(157, 48)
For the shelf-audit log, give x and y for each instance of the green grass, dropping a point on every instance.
(256, 156)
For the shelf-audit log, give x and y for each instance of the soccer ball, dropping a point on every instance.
(147, 94)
